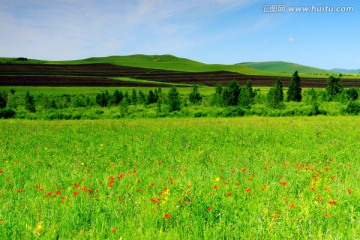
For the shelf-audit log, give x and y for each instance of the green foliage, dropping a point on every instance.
(7, 113)
(134, 97)
(174, 100)
(276, 95)
(232, 97)
(352, 94)
(103, 99)
(3, 100)
(353, 108)
(217, 97)
(294, 90)
(334, 86)
(195, 96)
(29, 102)
(116, 98)
(245, 99)
(151, 98)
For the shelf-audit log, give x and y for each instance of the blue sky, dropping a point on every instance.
(210, 31)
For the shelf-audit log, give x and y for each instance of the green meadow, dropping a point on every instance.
(238, 178)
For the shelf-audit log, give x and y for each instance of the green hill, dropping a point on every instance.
(166, 62)
(284, 67)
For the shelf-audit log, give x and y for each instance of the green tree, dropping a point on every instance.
(250, 90)
(116, 98)
(29, 102)
(103, 99)
(217, 100)
(174, 99)
(294, 90)
(152, 97)
(195, 96)
(334, 86)
(276, 95)
(134, 98)
(245, 97)
(234, 91)
(142, 98)
(3, 100)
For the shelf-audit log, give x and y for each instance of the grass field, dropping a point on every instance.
(250, 178)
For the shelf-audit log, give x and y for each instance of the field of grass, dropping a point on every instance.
(251, 178)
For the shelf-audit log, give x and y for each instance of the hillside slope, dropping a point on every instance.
(284, 67)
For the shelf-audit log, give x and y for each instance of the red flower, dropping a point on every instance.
(209, 208)
(76, 193)
(292, 206)
(167, 216)
(216, 187)
(283, 183)
(171, 181)
(114, 230)
(76, 184)
(244, 169)
(48, 194)
(20, 190)
(1, 171)
(121, 175)
(247, 189)
(349, 191)
(229, 194)
(332, 202)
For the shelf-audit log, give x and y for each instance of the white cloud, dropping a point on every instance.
(291, 39)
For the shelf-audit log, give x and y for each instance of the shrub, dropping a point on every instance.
(7, 113)
(353, 108)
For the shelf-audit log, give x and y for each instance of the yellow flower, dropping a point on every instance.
(316, 202)
(217, 179)
(39, 228)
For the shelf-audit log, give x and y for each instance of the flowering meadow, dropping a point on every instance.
(242, 178)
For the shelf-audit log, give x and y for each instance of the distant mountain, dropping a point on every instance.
(288, 67)
(349, 71)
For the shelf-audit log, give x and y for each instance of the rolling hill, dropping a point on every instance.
(284, 67)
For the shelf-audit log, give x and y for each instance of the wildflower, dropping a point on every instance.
(159, 163)
(121, 175)
(152, 185)
(48, 194)
(1, 222)
(216, 187)
(167, 216)
(76, 184)
(244, 169)
(111, 182)
(229, 194)
(264, 187)
(37, 187)
(233, 171)
(247, 189)
(332, 202)
(217, 179)
(349, 191)
(39, 227)
(283, 183)
(1, 171)
(209, 208)
(90, 190)
(76, 193)
(171, 181)
(20, 190)
(326, 215)
(114, 230)
(292, 206)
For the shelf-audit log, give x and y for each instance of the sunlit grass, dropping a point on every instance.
(180, 179)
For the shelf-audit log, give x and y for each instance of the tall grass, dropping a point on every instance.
(250, 178)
